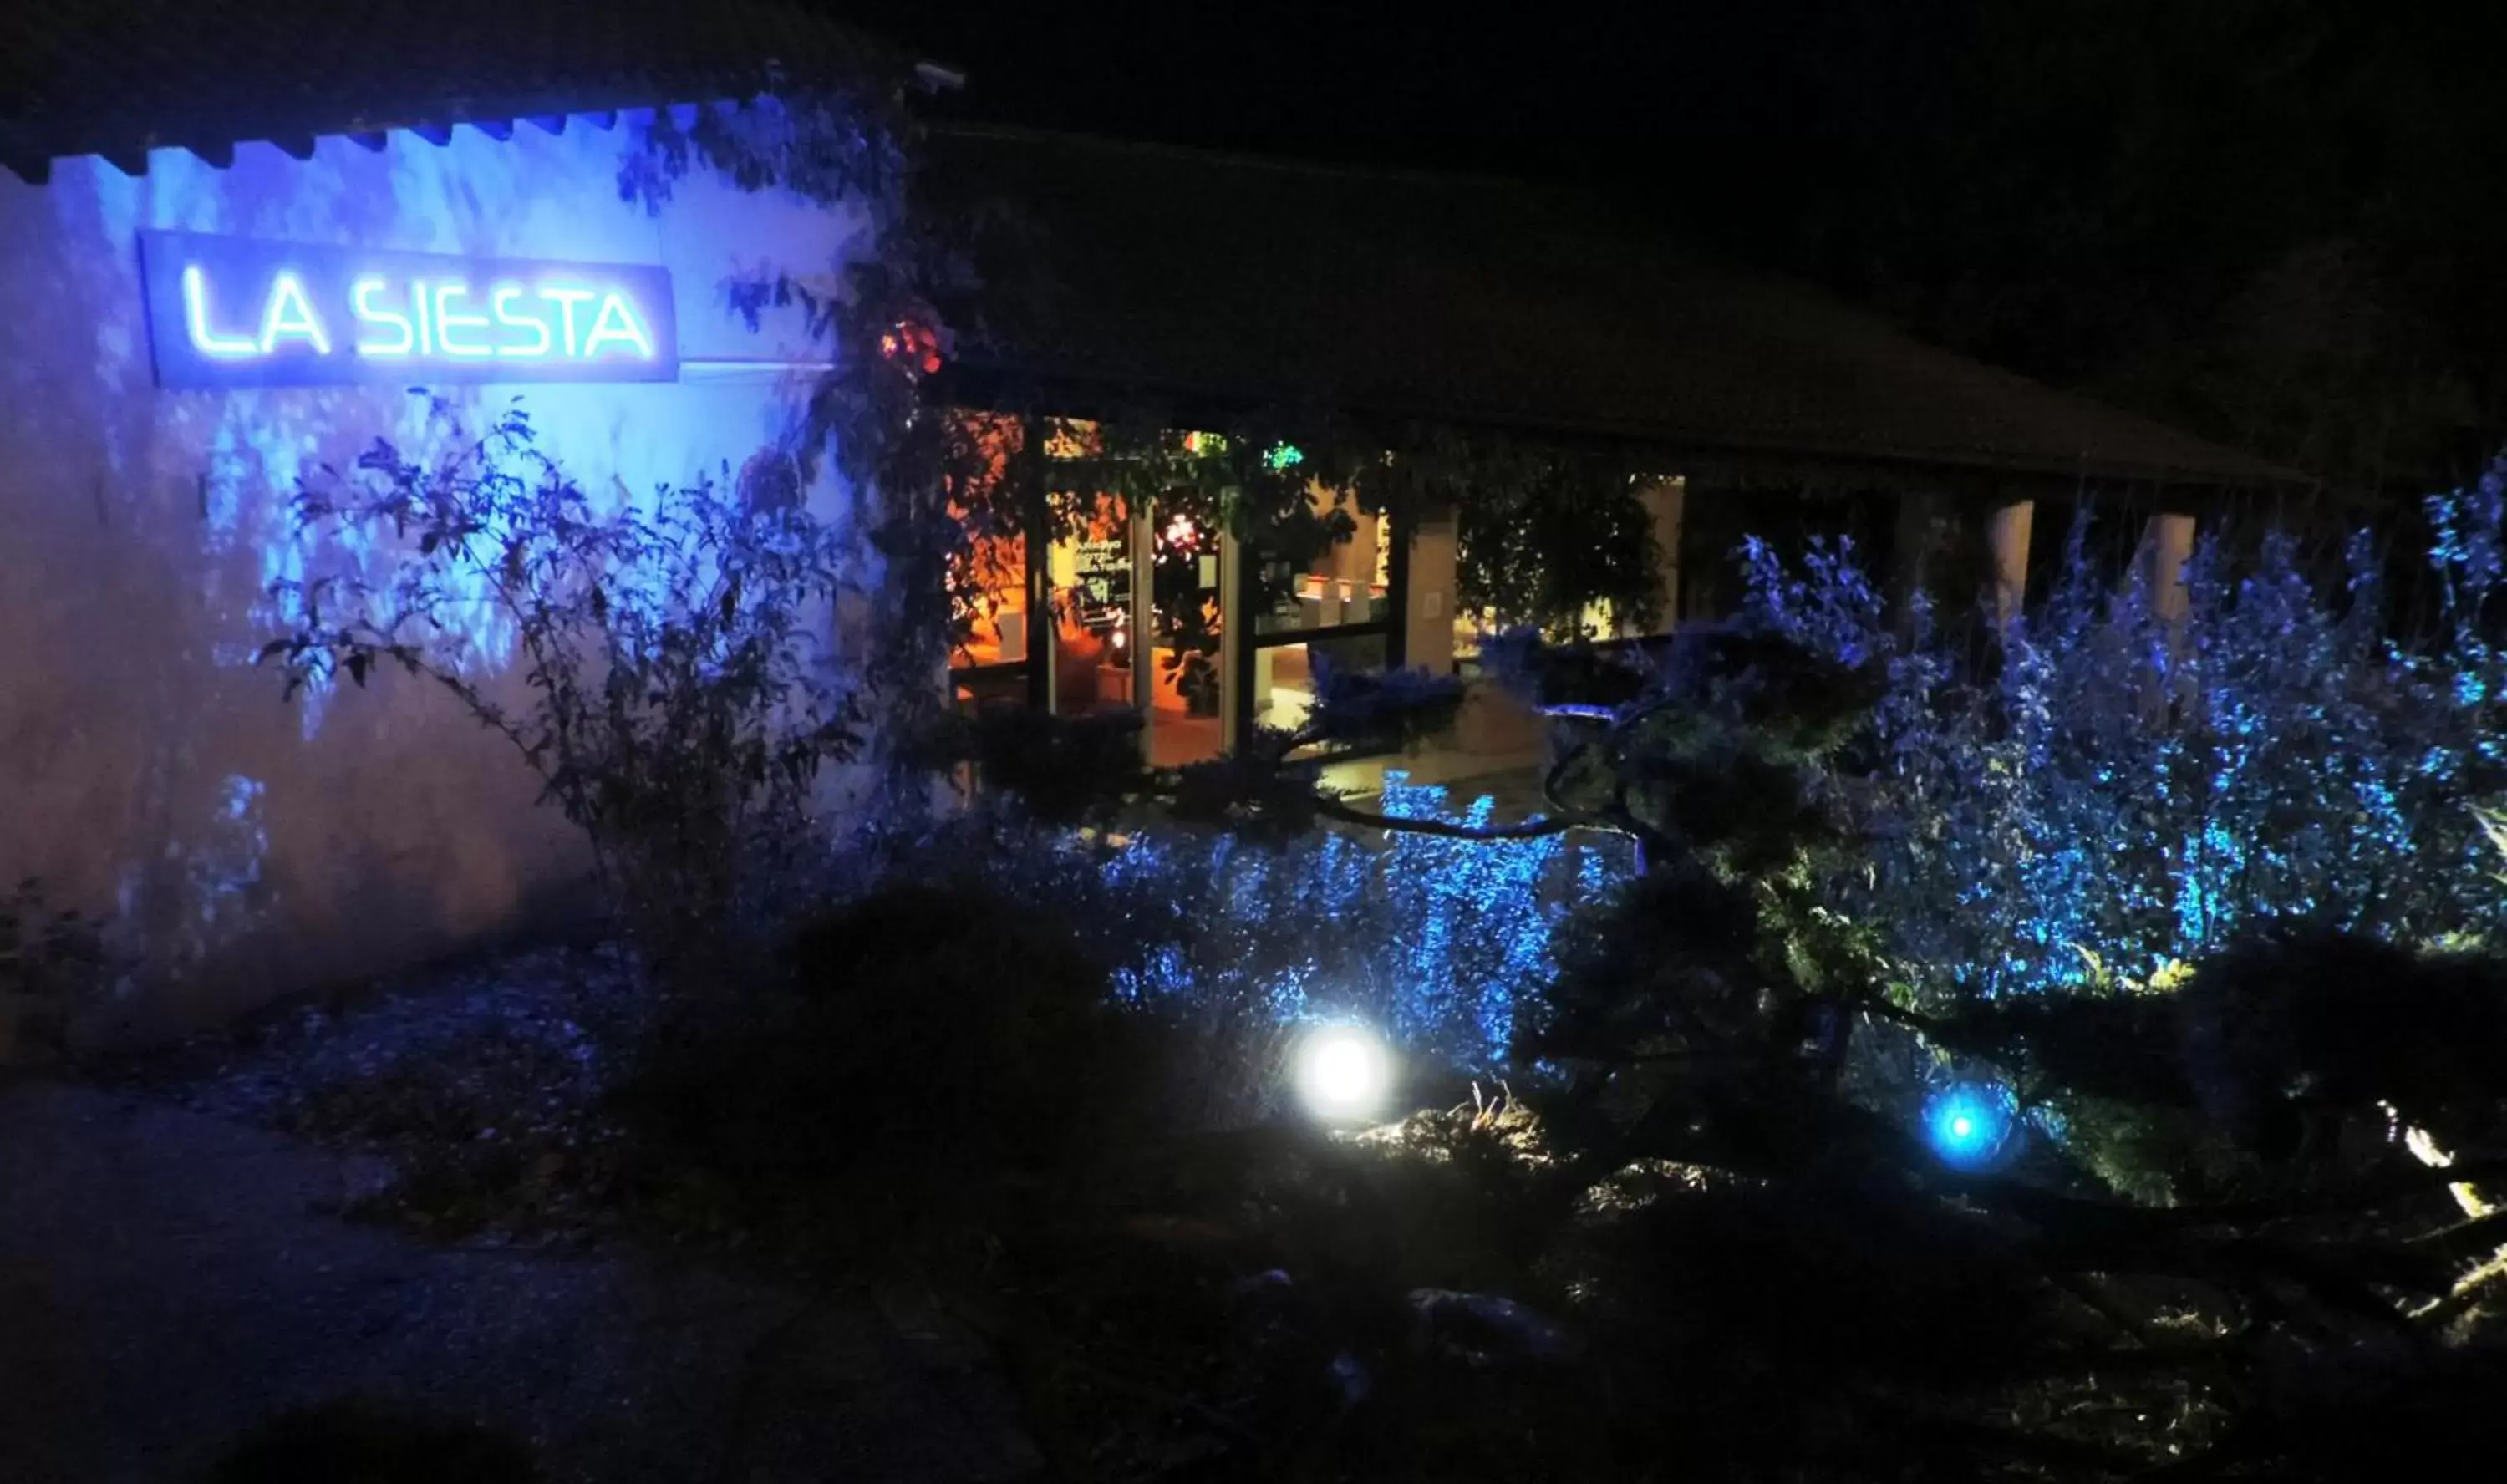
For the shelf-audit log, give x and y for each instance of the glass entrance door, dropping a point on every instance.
(1082, 604)
(1139, 624)
(1089, 577)
(1339, 611)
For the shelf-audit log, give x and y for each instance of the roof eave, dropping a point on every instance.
(987, 378)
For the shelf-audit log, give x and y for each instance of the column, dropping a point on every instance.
(2006, 534)
(1352, 562)
(1665, 501)
(1040, 635)
(1235, 658)
(1036, 522)
(1428, 616)
(2167, 545)
(1922, 515)
(1140, 632)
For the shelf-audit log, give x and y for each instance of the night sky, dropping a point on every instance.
(1359, 84)
(2275, 222)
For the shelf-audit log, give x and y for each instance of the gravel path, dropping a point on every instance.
(170, 1278)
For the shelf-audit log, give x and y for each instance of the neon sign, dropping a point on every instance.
(235, 312)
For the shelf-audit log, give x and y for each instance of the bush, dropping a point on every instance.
(678, 713)
(1231, 942)
(2104, 779)
(924, 1049)
(1435, 942)
(1014, 999)
(967, 1025)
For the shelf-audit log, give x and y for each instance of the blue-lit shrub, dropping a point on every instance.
(659, 663)
(2102, 778)
(1433, 941)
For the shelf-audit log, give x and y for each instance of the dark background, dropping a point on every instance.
(2282, 222)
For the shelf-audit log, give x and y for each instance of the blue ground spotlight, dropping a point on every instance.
(1969, 1123)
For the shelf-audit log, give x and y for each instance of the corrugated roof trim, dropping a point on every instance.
(120, 78)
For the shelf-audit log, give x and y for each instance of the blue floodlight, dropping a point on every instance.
(1970, 1122)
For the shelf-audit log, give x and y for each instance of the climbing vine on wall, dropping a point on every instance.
(883, 314)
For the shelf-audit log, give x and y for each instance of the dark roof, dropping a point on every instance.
(1197, 277)
(118, 77)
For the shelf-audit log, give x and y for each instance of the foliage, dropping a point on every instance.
(1434, 941)
(1595, 1284)
(1369, 711)
(680, 709)
(1544, 534)
(1235, 940)
(1054, 478)
(1717, 1196)
(676, 714)
(833, 141)
(1543, 542)
(900, 1073)
(884, 315)
(1724, 1014)
(2103, 777)
(1708, 1230)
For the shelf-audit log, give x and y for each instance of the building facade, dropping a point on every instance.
(218, 285)
(1211, 290)
(190, 334)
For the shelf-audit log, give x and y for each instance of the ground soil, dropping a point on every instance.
(171, 1276)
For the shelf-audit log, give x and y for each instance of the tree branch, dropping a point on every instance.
(2149, 1221)
(2468, 1292)
(2364, 1195)
(1530, 829)
(2478, 1237)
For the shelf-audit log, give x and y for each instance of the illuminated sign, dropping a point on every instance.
(232, 312)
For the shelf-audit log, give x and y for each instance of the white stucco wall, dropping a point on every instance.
(248, 847)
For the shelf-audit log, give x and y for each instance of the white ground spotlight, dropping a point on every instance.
(1343, 1071)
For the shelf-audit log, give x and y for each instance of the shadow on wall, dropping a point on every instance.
(248, 846)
